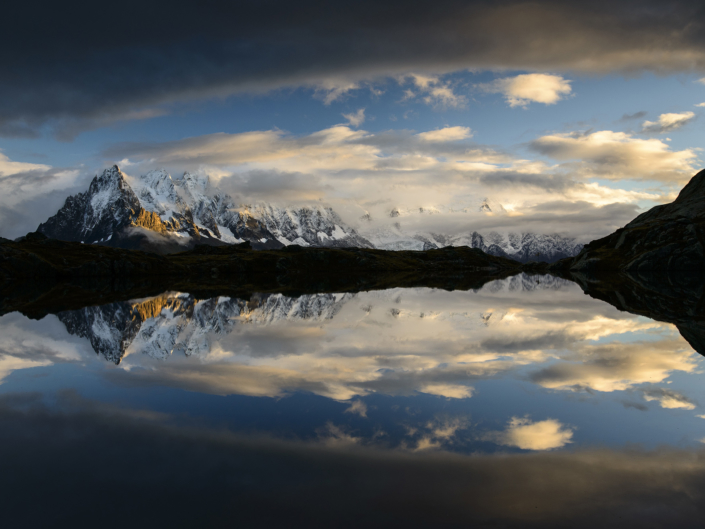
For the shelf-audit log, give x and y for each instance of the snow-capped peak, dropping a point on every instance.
(189, 208)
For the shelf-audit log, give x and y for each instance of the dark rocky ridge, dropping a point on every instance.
(39, 274)
(667, 238)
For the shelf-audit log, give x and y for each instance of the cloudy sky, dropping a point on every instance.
(569, 117)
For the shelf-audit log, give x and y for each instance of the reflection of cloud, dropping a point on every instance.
(534, 87)
(618, 366)
(27, 343)
(341, 347)
(448, 390)
(241, 473)
(8, 364)
(335, 436)
(357, 407)
(669, 399)
(527, 435)
(438, 432)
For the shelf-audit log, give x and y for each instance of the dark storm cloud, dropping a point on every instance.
(82, 463)
(71, 67)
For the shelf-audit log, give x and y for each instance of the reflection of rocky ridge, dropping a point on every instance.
(528, 283)
(677, 298)
(180, 323)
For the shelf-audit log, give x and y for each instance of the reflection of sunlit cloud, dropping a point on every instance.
(343, 346)
(335, 436)
(571, 488)
(438, 432)
(448, 390)
(617, 366)
(8, 364)
(358, 408)
(668, 399)
(527, 435)
(23, 347)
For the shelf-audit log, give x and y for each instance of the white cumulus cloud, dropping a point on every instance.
(523, 89)
(446, 134)
(356, 118)
(617, 156)
(667, 122)
(433, 91)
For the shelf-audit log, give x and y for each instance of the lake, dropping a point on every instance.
(521, 403)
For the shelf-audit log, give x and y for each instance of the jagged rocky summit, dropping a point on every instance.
(668, 238)
(171, 214)
(167, 214)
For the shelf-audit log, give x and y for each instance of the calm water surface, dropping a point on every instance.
(523, 403)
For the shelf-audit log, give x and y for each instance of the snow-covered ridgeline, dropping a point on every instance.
(192, 209)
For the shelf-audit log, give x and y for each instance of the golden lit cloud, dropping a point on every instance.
(618, 366)
(667, 122)
(531, 88)
(669, 399)
(446, 134)
(617, 156)
(527, 435)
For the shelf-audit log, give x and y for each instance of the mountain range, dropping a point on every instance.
(158, 212)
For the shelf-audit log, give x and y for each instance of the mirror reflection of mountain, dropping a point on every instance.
(180, 323)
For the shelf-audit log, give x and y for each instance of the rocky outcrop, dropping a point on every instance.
(667, 238)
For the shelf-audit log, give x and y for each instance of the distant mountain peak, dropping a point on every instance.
(188, 209)
(184, 210)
